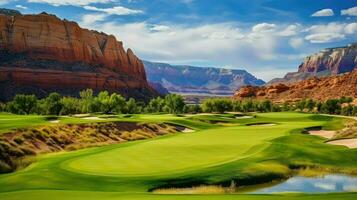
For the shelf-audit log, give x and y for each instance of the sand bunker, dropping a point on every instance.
(244, 117)
(54, 121)
(187, 130)
(350, 143)
(323, 133)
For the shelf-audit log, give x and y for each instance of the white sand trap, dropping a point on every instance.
(54, 121)
(244, 117)
(187, 130)
(322, 133)
(81, 115)
(350, 143)
(93, 118)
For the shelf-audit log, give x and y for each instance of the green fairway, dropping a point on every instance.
(221, 149)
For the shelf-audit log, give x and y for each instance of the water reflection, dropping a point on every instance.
(328, 183)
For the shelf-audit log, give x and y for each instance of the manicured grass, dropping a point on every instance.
(214, 154)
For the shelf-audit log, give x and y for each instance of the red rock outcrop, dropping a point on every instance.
(314, 88)
(331, 61)
(46, 52)
(336, 60)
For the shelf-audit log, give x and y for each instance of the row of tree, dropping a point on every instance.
(104, 102)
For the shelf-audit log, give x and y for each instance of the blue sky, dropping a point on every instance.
(266, 37)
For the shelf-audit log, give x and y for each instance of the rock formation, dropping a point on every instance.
(42, 53)
(199, 80)
(327, 62)
(314, 88)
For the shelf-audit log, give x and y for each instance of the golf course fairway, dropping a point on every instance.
(221, 149)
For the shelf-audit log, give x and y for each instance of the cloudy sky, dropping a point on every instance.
(266, 37)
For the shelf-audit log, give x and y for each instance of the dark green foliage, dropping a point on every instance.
(53, 104)
(70, 106)
(174, 104)
(23, 104)
(219, 105)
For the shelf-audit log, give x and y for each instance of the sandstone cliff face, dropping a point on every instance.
(61, 54)
(315, 88)
(336, 60)
(327, 62)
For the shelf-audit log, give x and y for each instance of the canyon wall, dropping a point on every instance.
(42, 53)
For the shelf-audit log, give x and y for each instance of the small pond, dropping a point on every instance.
(327, 183)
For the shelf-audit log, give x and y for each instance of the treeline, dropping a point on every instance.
(104, 102)
(342, 106)
(114, 103)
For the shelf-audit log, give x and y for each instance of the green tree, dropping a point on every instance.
(222, 105)
(331, 106)
(301, 105)
(175, 103)
(347, 110)
(248, 106)
(286, 106)
(53, 104)
(195, 108)
(310, 104)
(156, 105)
(207, 106)
(70, 105)
(131, 106)
(354, 111)
(346, 99)
(110, 103)
(23, 104)
(237, 106)
(266, 106)
(86, 100)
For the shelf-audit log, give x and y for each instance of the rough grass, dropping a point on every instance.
(213, 155)
(17, 144)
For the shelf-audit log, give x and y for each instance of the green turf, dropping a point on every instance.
(222, 148)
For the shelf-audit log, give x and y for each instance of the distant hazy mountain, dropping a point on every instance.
(199, 80)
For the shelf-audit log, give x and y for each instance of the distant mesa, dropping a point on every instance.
(42, 53)
(186, 79)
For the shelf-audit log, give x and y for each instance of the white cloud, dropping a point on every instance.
(350, 12)
(21, 7)
(296, 42)
(69, 2)
(264, 27)
(220, 42)
(351, 28)
(290, 30)
(89, 19)
(3, 2)
(323, 13)
(117, 10)
(324, 37)
(330, 32)
(159, 28)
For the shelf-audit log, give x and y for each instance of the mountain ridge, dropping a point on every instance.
(188, 79)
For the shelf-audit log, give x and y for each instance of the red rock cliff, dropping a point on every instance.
(336, 60)
(48, 46)
(314, 88)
